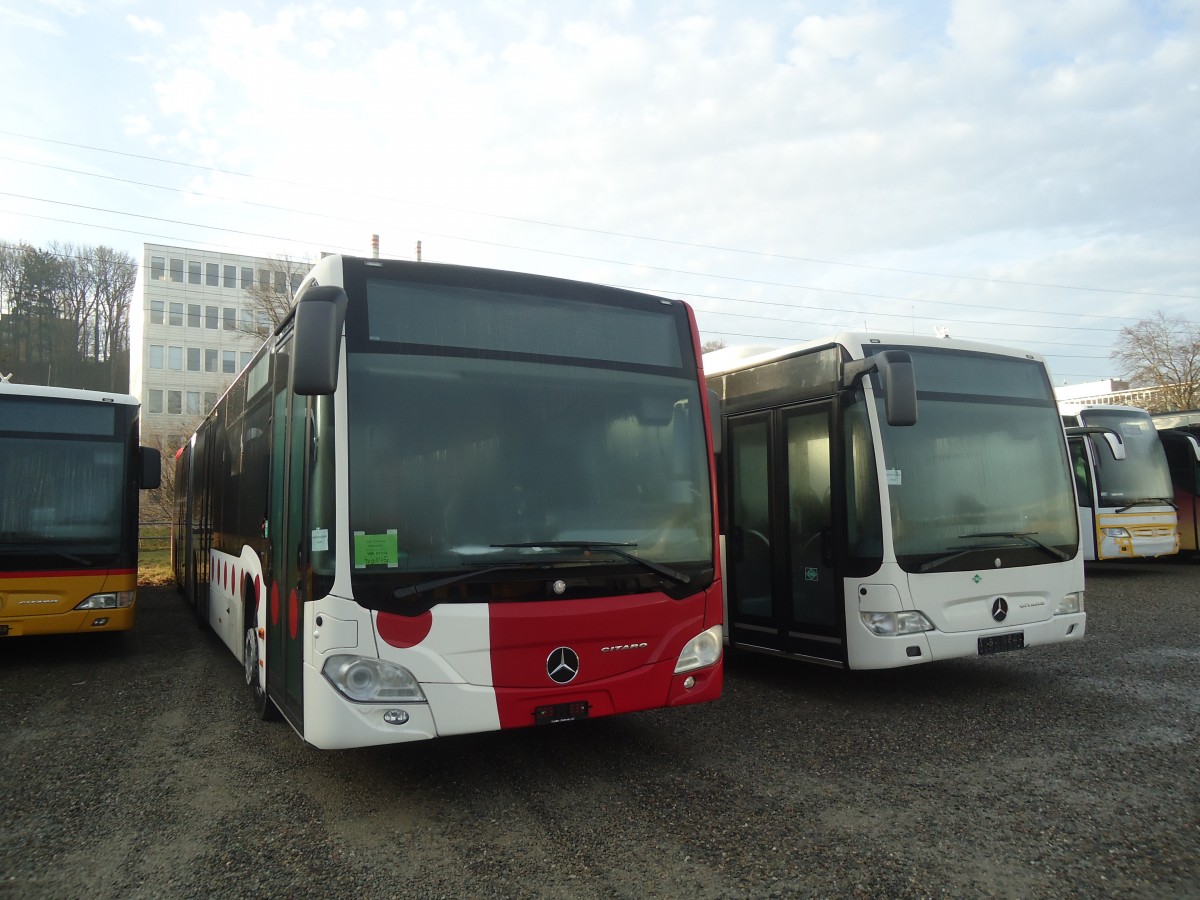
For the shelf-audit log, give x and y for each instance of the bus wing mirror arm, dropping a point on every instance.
(150, 462)
(895, 368)
(1111, 436)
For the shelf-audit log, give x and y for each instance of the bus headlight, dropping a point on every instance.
(1071, 603)
(888, 624)
(365, 680)
(1115, 532)
(702, 650)
(111, 600)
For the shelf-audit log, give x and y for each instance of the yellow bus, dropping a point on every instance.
(70, 470)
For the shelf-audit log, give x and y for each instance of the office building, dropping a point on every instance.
(196, 319)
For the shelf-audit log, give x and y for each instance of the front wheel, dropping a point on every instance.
(256, 677)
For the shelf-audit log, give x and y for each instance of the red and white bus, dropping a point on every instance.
(444, 500)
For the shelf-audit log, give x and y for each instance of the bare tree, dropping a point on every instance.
(272, 296)
(1163, 352)
(714, 344)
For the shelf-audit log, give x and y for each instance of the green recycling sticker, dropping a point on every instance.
(376, 549)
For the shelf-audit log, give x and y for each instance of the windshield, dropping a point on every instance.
(983, 470)
(62, 495)
(1143, 473)
(452, 455)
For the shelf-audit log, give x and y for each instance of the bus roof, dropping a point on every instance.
(8, 389)
(734, 359)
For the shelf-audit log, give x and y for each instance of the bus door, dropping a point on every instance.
(286, 591)
(784, 593)
(1081, 465)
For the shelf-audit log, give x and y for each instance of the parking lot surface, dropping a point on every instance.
(134, 768)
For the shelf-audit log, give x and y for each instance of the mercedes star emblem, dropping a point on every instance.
(562, 665)
(1000, 609)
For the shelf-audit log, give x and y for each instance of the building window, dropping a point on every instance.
(158, 268)
(156, 356)
(212, 316)
(264, 323)
(212, 274)
(247, 355)
(247, 321)
(296, 279)
(157, 308)
(174, 403)
(193, 315)
(193, 359)
(177, 271)
(210, 400)
(229, 316)
(247, 278)
(176, 310)
(264, 278)
(229, 362)
(175, 358)
(281, 282)
(210, 360)
(155, 400)
(230, 277)
(193, 403)
(193, 273)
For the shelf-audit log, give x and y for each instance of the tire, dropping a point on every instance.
(264, 708)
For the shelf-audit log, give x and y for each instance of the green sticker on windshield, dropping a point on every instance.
(376, 549)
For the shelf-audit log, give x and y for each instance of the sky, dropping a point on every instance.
(1021, 173)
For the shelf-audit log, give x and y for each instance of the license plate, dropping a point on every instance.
(999, 643)
(561, 712)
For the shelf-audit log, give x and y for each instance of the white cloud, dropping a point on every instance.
(145, 25)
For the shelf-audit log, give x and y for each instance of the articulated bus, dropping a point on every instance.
(70, 470)
(1126, 507)
(889, 500)
(1179, 433)
(442, 500)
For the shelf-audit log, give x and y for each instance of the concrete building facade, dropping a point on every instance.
(193, 325)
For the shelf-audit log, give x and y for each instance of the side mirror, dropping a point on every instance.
(895, 370)
(1112, 437)
(150, 461)
(317, 340)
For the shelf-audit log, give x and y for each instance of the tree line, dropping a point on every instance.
(64, 315)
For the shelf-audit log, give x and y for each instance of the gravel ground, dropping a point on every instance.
(133, 768)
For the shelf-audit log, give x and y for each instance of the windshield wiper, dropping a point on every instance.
(1027, 536)
(1149, 501)
(42, 548)
(613, 547)
(422, 587)
(949, 557)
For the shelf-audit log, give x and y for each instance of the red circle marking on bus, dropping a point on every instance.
(404, 631)
(293, 614)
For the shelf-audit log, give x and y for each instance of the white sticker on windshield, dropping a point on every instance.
(320, 540)
(893, 476)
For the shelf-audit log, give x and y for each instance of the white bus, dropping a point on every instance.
(445, 500)
(889, 500)
(1126, 501)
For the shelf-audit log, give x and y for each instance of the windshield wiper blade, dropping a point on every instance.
(1027, 536)
(433, 584)
(613, 547)
(1149, 501)
(949, 557)
(19, 547)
